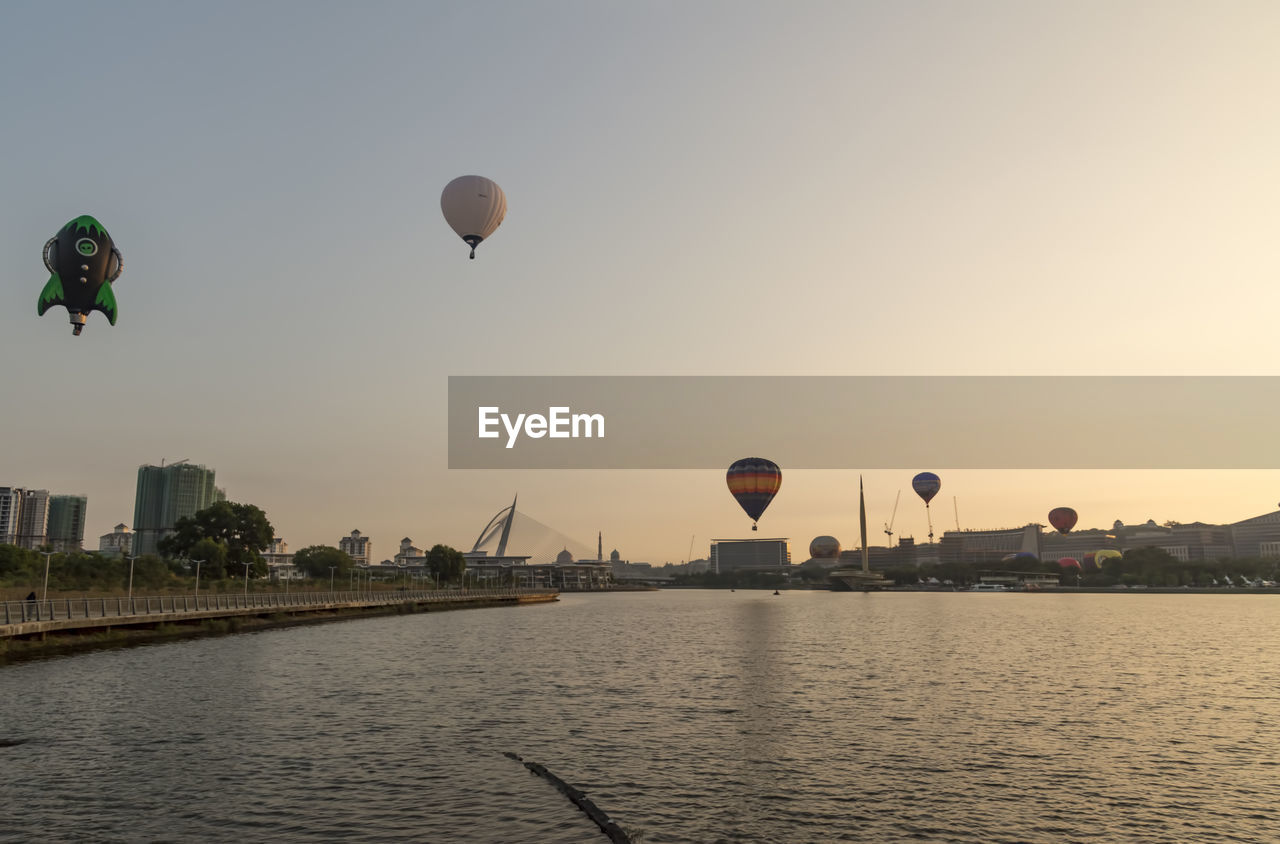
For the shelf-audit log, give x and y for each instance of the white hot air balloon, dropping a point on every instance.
(474, 207)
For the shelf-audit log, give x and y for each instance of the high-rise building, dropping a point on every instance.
(10, 508)
(166, 494)
(358, 547)
(33, 518)
(66, 522)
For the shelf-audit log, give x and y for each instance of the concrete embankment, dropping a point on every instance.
(58, 627)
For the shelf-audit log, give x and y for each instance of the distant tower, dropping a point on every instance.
(600, 546)
(66, 522)
(166, 494)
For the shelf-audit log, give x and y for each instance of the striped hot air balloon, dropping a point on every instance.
(926, 485)
(754, 481)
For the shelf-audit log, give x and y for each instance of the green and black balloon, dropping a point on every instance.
(84, 262)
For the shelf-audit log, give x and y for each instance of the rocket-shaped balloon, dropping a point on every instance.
(84, 262)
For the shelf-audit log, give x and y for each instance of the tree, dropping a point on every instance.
(14, 560)
(446, 563)
(213, 558)
(316, 560)
(242, 529)
(1141, 565)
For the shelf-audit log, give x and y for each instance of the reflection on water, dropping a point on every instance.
(687, 716)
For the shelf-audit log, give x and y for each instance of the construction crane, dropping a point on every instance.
(957, 509)
(888, 527)
(689, 559)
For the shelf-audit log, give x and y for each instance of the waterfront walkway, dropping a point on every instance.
(21, 619)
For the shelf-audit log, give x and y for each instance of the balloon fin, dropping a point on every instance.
(51, 295)
(106, 302)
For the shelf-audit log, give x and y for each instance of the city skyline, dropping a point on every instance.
(929, 189)
(944, 516)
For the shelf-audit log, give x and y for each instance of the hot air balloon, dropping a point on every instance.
(1069, 563)
(84, 262)
(1090, 561)
(1100, 557)
(754, 481)
(926, 485)
(1020, 557)
(824, 548)
(1063, 519)
(474, 207)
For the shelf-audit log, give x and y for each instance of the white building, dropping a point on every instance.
(10, 509)
(33, 520)
(280, 561)
(410, 555)
(358, 548)
(117, 543)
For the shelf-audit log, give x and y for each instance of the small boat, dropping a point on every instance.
(776, 592)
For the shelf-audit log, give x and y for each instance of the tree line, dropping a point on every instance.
(226, 539)
(1138, 567)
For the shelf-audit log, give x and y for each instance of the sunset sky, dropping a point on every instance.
(706, 188)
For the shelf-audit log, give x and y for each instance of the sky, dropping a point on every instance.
(707, 188)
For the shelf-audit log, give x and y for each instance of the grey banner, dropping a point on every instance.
(864, 422)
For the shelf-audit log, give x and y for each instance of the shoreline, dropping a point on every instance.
(57, 643)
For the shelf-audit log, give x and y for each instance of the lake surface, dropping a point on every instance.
(687, 716)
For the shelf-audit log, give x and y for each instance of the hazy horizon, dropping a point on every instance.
(716, 188)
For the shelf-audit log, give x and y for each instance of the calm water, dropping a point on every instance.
(687, 716)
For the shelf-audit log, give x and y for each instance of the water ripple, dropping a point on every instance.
(686, 716)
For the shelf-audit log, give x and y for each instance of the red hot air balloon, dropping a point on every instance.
(1069, 563)
(754, 481)
(1063, 519)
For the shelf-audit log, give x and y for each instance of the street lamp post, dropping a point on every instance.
(131, 559)
(246, 578)
(48, 555)
(332, 569)
(197, 562)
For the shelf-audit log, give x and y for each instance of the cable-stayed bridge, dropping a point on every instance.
(512, 532)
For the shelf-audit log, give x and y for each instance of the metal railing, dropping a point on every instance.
(177, 606)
